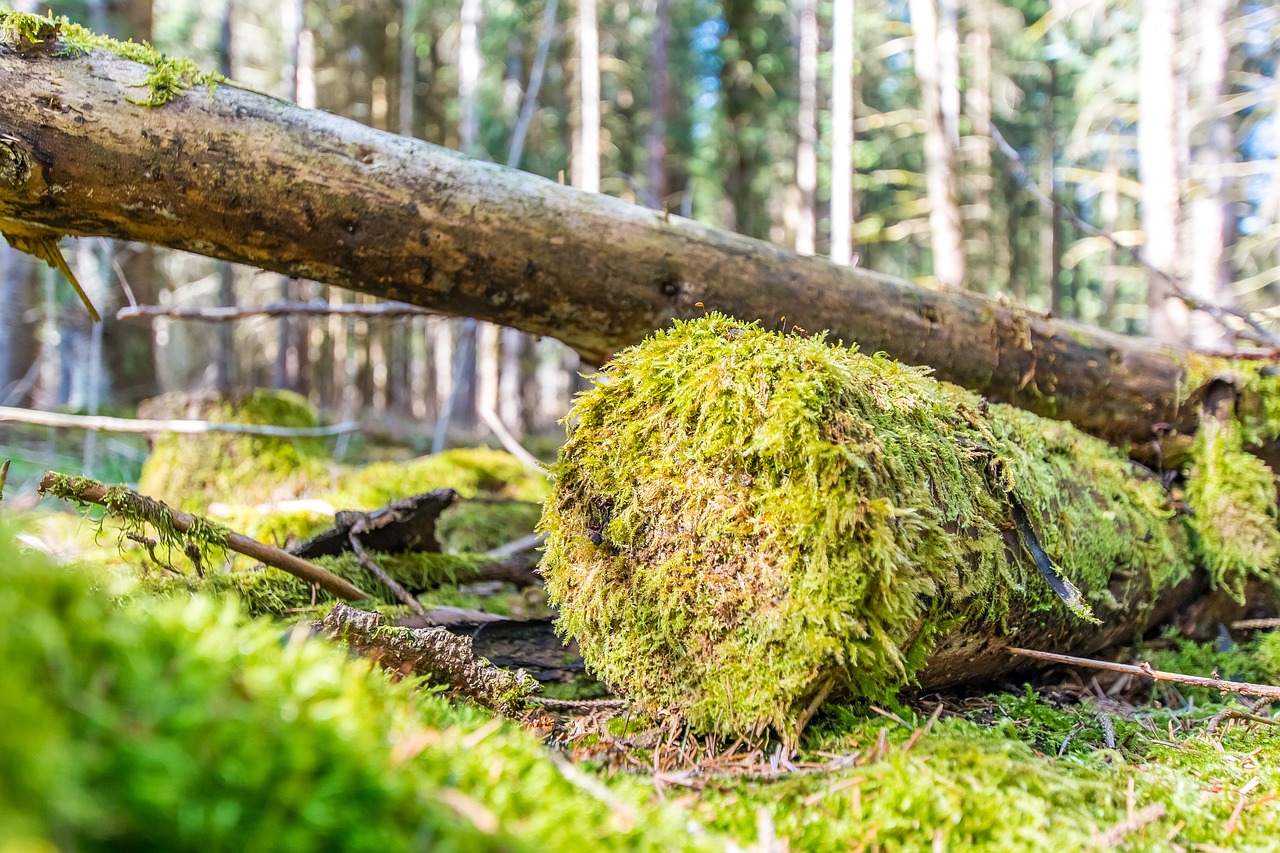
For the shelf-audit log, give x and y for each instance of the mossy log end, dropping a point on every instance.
(743, 522)
(240, 176)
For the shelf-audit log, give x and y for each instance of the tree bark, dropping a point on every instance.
(243, 177)
(945, 227)
(842, 203)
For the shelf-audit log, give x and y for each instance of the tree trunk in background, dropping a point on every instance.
(659, 107)
(1158, 164)
(586, 165)
(739, 99)
(19, 348)
(946, 236)
(1051, 244)
(989, 268)
(1109, 210)
(1211, 212)
(807, 130)
(842, 200)
(223, 354)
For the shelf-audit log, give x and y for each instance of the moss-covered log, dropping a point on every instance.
(745, 522)
(96, 144)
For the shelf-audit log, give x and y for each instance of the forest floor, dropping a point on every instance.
(150, 707)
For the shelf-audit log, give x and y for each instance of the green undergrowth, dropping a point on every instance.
(743, 519)
(191, 471)
(1001, 785)
(1232, 497)
(167, 79)
(182, 725)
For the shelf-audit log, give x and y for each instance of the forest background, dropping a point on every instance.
(921, 139)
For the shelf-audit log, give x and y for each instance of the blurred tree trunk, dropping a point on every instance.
(586, 162)
(223, 354)
(1211, 209)
(842, 199)
(807, 130)
(660, 107)
(989, 266)
(290, 365)
(19, 348)
(739, 99)
(1051, 243)
(945, 231)
(1158, 164)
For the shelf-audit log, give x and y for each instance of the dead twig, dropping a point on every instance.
(1115, 836)
(389, 310)
(95, 423)
(370, 565)
(1241, 687)
(4, 476)
(126, 503)
(434, 652)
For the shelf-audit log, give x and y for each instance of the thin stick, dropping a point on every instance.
(233, 313)
(91, 491)
(1242, 687)
(140, 425)
(4, 476)
(507, 440)
(353, 536)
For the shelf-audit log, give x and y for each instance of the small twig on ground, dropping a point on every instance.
(434, 652)
(1115, 836)
(129, 505)
(508, 441)
(377, 571)
(1255, 624)
(1242, 687)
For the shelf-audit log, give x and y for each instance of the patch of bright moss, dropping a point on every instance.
(168, 78)
(471, 472)
(740, 518)
(192, 471)
(1232, 496)
(479, 526)
(184, 726)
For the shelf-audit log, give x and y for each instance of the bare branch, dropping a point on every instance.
(230, 314)
(96, 423)
(1144, 670)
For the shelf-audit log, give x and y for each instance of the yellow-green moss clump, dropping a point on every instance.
(1232, 496)
(181, 725)
(743, 520)
(167, 79)
(191, 471)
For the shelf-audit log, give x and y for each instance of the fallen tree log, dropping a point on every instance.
(236, 175)
(744, 524)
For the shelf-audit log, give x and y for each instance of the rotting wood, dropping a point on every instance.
(433, 652)
(240, 176)
(91, 491)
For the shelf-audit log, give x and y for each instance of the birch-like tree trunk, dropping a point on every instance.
(807, 130)
(842, 200)
(1210, 211)
(1158, 164)
(945, 231)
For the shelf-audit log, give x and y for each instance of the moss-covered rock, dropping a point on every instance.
(180, 725)
(742, 521)
(189, 471)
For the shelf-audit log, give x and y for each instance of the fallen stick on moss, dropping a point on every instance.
(137, 509)
(434, 652)
(1144, 670)
(371, 566)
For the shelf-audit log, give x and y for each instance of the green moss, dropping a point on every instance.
(167, 79)
(479, 526)
(271, 592)
(740, 518)
(183, 726)
(1232, 496)
(193, 471)
(471, 472)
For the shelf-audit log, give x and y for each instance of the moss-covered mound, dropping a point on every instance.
(183, 726)
(189, 471)
(743, 521)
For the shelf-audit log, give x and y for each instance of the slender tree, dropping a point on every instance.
(842, 87)
(806, 226)
(945, 231)
(1158, 163)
